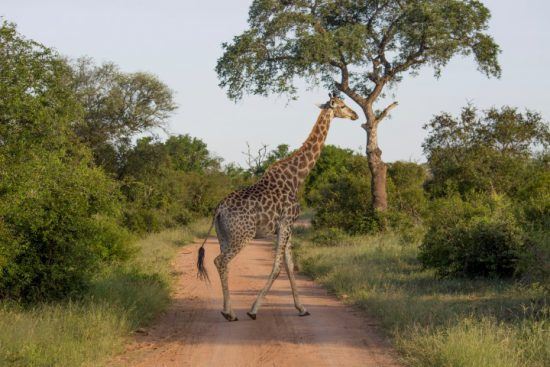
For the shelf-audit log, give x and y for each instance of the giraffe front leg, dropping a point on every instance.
(289, 265)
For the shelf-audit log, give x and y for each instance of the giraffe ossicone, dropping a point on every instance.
(270, 206)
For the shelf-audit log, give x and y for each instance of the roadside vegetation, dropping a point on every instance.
(432, 321)
(90, 329)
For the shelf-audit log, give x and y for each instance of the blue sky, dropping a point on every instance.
(180, 42)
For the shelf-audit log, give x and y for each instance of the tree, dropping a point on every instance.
(58, 213)
(36, 101)
(117, 106)
(190, 154)
(360, 48)
(491, 151)
(169, 183)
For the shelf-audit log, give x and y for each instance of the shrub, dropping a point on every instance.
(534, 262)
(59, 223)
(58, 213)
(340, 192)
(142, 220)
(475, 237)
(405, 190)
(329, 237)
(339, 189)
(170, 183)
(483, 152)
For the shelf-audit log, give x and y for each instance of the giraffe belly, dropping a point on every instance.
(265, 226)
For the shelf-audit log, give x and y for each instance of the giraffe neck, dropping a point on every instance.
(297, 166)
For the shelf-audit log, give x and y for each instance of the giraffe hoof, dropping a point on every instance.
(229, 317)
(306, 313)
(251, 315)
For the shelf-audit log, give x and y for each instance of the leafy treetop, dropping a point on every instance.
(356, 46)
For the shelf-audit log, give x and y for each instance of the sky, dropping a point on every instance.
(180, 42)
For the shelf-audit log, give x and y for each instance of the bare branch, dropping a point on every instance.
(387, 110)
(255, 161)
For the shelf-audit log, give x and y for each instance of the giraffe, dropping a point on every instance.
(269, 207)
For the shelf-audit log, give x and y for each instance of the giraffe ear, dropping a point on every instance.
(320, 105)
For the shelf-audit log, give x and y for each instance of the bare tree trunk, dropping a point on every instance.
(376, 165)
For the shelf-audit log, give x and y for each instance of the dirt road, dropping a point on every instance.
(193, 332)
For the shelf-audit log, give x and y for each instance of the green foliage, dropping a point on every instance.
(87, 331)
(117, 106)
(60, 220)
(329, 237)
(332, 162)
(169, 183)
(190, 154)
(491, 152)
(500, 151)
(478, 237)
(58, 214)
(370, 43)
(406, 189)
(36, 101)
(339, 190)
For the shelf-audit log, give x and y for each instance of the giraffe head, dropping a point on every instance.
(340, 109)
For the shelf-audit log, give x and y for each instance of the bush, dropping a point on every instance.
(406, 191)
(329, 237)
(58, 220)
(475, 237)
(170, 183)
(142, 220)
(339, 189)
(534, 263)
(486, 152)
(339, 192)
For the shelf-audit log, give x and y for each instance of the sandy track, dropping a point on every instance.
(193, 332)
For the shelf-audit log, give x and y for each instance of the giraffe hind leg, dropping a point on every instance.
(222, 264)
(229, 249)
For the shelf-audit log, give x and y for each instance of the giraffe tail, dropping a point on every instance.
(202, 274)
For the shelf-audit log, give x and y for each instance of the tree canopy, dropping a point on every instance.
(357, 46)
(360, 48)
(493, 150)
(117, 106)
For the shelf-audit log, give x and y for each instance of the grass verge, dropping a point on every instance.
(88, 331)
(434, 322)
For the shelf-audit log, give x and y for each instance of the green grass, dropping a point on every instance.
(434, 322)
(88, 331)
